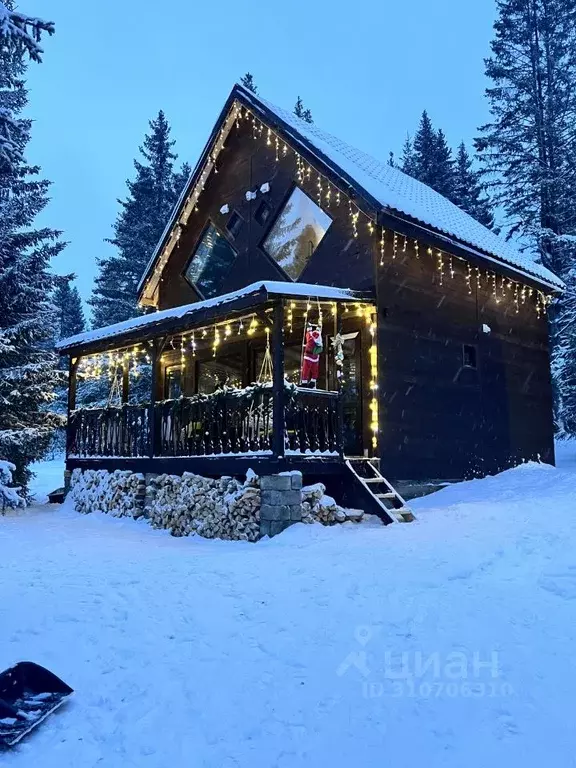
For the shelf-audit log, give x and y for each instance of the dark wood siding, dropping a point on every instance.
(442, 420)
(244, 164)
(438, 419)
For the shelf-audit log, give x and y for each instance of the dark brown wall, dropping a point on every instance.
(245, 164)
(438, 419)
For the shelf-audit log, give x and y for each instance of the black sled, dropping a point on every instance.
(28, 694)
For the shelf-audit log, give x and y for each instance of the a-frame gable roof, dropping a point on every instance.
(383, 187)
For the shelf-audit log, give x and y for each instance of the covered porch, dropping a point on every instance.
(216, 387)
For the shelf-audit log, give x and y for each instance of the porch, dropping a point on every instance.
(214, 387)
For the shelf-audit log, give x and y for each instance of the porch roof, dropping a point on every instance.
(172, 320)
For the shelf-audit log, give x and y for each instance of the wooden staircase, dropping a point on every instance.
(380, 495)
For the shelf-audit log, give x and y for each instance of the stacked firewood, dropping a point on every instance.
(118, 493)
(317, 507)
(225, 508)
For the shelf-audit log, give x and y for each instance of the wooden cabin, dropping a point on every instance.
(435, 356)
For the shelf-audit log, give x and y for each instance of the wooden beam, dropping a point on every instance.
(156, 352)
(72, 382)
(278, 379)
(125, 380)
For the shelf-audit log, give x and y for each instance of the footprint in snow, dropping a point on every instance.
(562, 584)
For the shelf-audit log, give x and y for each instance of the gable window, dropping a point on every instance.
(296, 233)
(234, 224)
(263, 213)
(469, 356)
(211, 262)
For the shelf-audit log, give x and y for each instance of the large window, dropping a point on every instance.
(225, 371)
(296, 233)
(210, 263)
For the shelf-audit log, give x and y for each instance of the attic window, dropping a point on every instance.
(296, 233)
(210, 263)
(469, 356)
(263, 213)
(234, 224)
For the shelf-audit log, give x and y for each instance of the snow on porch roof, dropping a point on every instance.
(400, 193)
(169, 318)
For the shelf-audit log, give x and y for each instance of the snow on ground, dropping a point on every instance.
(305, 650)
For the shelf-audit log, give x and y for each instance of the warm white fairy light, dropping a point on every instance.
(469, 278)
(237, 114)
(373, 357)
(440, 266)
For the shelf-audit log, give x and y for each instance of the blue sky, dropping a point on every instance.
(366, 69)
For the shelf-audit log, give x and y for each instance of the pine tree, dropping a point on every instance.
(424, 151)
(67, 300)
(444, 181)
(469, 191)
(408, 159)
(301, 112)
(529, 152)
(248, 82)
(138, 227)
(19, 37)
(28, 370)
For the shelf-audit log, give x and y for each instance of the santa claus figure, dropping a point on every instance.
(311, 357)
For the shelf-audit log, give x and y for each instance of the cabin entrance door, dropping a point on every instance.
(351, 391)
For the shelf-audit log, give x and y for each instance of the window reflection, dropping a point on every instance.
(296, 233)
(211, 262)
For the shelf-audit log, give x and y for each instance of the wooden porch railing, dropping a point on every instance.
(313, 422)
(205, 426)
(192, 426)
(114, 431)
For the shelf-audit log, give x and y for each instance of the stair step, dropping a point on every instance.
(386, 496)
(373, 479)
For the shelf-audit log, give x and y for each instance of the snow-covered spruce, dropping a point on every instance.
(317, 507)
(9, 495)
(225, 508)
(117, 493)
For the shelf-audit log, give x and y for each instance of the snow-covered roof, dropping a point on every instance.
(400, 193)
(260, 291)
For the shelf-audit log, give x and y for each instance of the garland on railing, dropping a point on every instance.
(244, 396)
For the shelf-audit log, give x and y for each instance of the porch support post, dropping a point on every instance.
(278, 379)
(340, 402)
(72, 381)
(125, 379)
(155, 354)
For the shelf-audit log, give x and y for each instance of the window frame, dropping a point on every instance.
(474, 350)
(239, 218)
(206, 227)
(276, 215)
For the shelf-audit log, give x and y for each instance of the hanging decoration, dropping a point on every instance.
(311, 355)
(338, 348)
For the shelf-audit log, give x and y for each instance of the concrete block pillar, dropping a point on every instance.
(281, 502)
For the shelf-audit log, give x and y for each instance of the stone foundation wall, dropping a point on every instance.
(281, 502)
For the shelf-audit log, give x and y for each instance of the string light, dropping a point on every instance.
(440, 264)
(373, 357)
(236, 115)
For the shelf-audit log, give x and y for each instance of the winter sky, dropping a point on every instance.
(366, 69)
